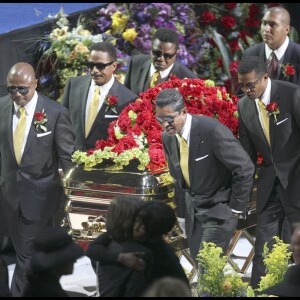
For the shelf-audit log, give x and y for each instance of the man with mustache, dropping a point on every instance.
(87, 97)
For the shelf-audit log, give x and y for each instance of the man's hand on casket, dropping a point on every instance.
(181, 223)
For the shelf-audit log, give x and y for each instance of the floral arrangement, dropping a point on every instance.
(215, 278)
(136, 134)
(111, 102)
(273, 110)
(39, 120)
(288, 70)
(212, 39)
(277, 262)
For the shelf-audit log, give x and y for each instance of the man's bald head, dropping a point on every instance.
(22, 70)
(283, 14)
(21, 77)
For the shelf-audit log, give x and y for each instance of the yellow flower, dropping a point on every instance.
(119, 21)
(85, 32)
(130, 34)
(81, 48)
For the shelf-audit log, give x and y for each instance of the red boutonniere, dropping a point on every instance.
(111, 102)
(288, 70)
(39, 120)
(273, 110)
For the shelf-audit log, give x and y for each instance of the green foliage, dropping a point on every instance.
(215, 279)
(277, 263)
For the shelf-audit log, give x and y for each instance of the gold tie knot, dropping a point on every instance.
(22, 111)
(154, 79)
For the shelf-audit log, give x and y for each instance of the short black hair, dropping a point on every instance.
(157, 217)
(167, 35)
(170, 97)
(252, 63)
(105, 47)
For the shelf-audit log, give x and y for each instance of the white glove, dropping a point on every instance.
(181, 223)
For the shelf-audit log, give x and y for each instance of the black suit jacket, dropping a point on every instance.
(282, 158)
(75, 98)
(291, 56)
(137, 76)
(220, 170)
(35, 184)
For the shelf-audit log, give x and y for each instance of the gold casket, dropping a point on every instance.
(90, 192)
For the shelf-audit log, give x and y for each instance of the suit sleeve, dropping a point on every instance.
(65, 97)
(64, 139)
(127, 82)
(179, 193)
(245, 140)
(231, 153)
(98, 250)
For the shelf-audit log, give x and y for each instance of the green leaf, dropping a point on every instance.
(224, 49)
(293, 35)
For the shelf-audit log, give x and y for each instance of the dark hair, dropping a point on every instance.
(157, 217)
(167, 35)
(120, 217)
(105, 47)
(252, 63)
(170, 97)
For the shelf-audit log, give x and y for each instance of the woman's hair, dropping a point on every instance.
(157, 217)
(120, 217)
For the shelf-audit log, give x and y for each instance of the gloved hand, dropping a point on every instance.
(181, 223)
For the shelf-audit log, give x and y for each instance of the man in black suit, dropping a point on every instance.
(275, 28)
(162, 60)
(269, 124)
(217, 178)
(78, 95)
(36, 138)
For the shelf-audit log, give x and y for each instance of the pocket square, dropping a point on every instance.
(110, 116)
(202, 157)
(278, 123)
(43, 134)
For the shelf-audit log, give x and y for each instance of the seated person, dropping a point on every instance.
(54, 256)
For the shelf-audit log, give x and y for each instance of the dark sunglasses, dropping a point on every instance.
(168, 119)
(99, 66)
(158, 53)
(21, 89)
(250, 85)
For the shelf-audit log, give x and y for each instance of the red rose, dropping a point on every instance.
(157, 157)
(39, 116)
(272, 107)
(208, 17)
(289, 70)
(228, 22)
(112, 100)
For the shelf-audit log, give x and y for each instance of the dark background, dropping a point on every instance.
(19, 44)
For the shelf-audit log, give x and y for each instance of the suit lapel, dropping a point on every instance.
(143, 75)
(32, 131)
(272, 124)
(7, 115)
(83, 94)
(195, 143)
(286, 59)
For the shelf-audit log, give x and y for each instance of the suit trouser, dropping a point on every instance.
(22, 232)
(209, 229)
(268, 226)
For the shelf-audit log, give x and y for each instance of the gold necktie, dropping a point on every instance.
(154, 79)
(184, 159)
(265, 119)
(19, 134)
(93, 111)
